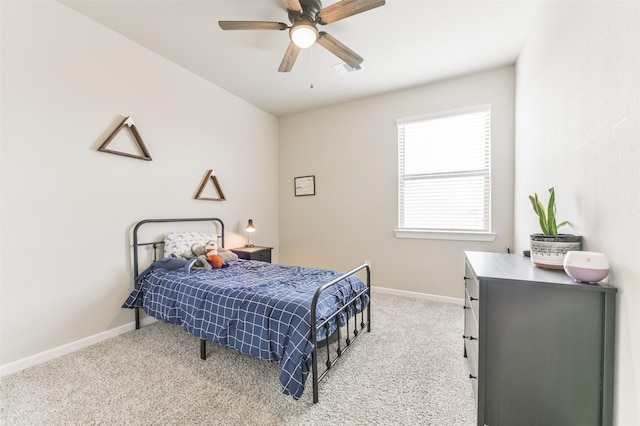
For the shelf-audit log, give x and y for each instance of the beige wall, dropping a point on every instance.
(352, 151)
(67, 210)
(578, 102)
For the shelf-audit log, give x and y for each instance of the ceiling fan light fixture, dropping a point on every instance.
(305, 16)
(304, 35)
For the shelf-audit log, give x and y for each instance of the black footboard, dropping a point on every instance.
(335, 351)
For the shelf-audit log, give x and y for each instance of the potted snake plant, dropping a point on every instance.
(549, 247)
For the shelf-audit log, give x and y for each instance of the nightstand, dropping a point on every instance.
(254, 253)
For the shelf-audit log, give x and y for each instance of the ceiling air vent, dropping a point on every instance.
(345, 69)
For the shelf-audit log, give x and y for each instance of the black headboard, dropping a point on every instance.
(137, 244)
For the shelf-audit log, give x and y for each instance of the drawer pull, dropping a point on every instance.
(465, 307)
(473, 298)
(469, 337)
(471, 376)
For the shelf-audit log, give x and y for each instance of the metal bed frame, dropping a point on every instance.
(336, 343)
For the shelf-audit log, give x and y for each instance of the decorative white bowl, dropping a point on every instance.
(586, 266)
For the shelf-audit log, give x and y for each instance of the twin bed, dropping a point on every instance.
(285, 314)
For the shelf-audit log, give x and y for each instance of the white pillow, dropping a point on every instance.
(180, 243)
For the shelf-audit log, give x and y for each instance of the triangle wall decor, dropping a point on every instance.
(128, 122)
(214, 180)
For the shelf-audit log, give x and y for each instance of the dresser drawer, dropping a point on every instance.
(472, 361)
(471, 283)
(262, 255)
(471, 315)
(471, 348)
(471, 334)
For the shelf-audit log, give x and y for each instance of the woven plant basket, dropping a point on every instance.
(547, 251)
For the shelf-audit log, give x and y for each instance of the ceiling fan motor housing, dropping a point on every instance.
(303, 31)
(310, 9)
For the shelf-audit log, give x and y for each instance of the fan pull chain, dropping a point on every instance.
(311, 70)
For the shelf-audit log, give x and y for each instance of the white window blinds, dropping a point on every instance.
(444, 167)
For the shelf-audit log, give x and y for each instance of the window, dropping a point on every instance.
(444, 173)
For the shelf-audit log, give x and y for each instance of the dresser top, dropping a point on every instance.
(518, 267)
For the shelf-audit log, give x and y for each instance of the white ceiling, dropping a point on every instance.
(404, 43)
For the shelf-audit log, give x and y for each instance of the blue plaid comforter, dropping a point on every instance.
(257, 308)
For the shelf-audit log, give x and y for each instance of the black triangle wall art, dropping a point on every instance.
(210, 176)
(127, 122)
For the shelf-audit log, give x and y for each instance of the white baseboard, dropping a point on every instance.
(42, 357)
(417, 295)
(31, 361)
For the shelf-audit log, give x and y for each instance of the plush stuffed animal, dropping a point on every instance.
(216, 261)
(209, 254)
(211, 251)
(201, 259)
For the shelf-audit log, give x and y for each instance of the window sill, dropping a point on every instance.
(445, 235)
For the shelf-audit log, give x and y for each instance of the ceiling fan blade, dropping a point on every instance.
(330, 43)
(289, 58)
(346, 8)
(293, 5)
(252, 25)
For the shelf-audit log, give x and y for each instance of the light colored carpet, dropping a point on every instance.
(408, 370)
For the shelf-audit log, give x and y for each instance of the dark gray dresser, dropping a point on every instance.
(540, 347)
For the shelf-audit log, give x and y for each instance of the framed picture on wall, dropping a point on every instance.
(305, 185)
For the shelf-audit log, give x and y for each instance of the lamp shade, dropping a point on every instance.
(303, 35)
(250, 227)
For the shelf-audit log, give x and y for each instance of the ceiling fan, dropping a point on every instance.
(305, 15)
